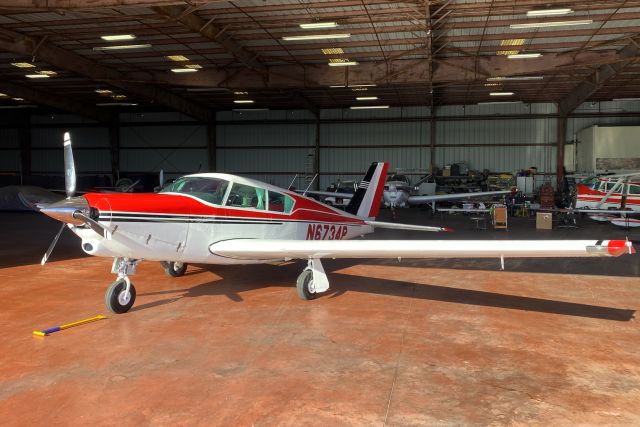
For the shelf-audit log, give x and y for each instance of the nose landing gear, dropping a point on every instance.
(174, 268)
(121, 294)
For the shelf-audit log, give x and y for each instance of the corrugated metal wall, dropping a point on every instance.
(275, 145)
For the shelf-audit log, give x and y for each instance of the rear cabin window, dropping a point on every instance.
(211, 190)
(279, 202)
(634, 189)
(247, 196)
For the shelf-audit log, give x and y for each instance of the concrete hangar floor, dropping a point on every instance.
(449, 342)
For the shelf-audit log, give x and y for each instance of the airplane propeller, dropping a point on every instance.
(72, 210)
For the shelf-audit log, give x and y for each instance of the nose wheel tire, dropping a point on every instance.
(304, 285)
(174, 268)
(117, 299)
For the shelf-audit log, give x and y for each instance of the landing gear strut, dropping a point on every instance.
(174, 268)
(121, 294)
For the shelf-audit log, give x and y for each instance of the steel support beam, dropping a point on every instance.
(414, 71)
(604, 73)
(54, 101)
(24, 137)
(212, 145)
(432, 141)
(316, 155)
(20, 44)
(561, 139)
(114, 149)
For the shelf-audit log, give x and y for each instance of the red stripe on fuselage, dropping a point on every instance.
(304, 209)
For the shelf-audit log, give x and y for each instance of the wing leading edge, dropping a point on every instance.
(244, 249)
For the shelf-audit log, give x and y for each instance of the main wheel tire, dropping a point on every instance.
(115, 298)
(174, 268)
(305, 279)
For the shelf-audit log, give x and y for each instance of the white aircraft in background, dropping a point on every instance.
(604, 197)
(216, 218)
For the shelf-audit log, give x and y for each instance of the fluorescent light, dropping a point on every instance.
(118, 37)
(363, 85)
(368, 107)
(177, 58)
(343, 64)
(207, 89)
(7, 107)
(243, 101)
(524, 55)
(366, 98)
(337, 86)
(514, 78)
(23, 64)
(36, 76)
(18, 99)
(123, 47)
(315, 25)
(103, 91)
(240, 92)
(113, 104)
(550, 24)
(250, 109)
(316, 37)
(184, 70)
(47, 72)
(626, 99)
(499, 102)
(549, 12)
(3, 95)
(119, 96)
(194, 66)
(501, 93)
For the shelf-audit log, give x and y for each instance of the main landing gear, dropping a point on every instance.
(312, 280)
(174, 268)
(121, 295)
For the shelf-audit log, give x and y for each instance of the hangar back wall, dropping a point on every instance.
(274, 146)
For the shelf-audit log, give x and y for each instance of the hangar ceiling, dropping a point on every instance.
(386, 52)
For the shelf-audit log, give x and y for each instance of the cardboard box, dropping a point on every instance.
(544, 221)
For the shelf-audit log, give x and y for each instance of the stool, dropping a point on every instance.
(481, 222)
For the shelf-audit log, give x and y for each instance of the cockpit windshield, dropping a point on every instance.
(398, 178)
(591, 182)
(211, 190)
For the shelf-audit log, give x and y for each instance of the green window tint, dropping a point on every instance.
(279, 202)
(634, 189)
(211, 190)
(246, 196)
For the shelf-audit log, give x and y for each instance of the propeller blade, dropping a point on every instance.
(52, 245)
(161, 179)
(69, 167)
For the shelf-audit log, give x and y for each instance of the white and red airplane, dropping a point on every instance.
(215, 218)
(604, 196)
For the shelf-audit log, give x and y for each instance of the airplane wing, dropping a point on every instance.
(418, 200)
(326, 194)
(254, 249)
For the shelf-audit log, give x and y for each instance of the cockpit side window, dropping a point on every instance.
(279, 202)
(247, 196)
(211, 190)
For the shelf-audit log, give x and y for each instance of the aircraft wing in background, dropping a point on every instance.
(420, 200)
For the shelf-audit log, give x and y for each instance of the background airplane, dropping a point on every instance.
(216, 218)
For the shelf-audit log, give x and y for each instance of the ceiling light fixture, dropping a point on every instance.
(47, 72)
(118, 37)
(23, 64)
(18, 99)
(368, 107)
(343, 64)
(550, 24)
(524, 55)
(549, 12)
(626, 99)
(499, 102)
(337, 86)
(514, 78)
(122, 47)
(177, 58)
(184, 70)
(250, 109)
(366, 98)
(36, 76)
(8, 107)
(103, 91)
(364, 85)
(501, 93)
(243, 101)
(316, 37)
(114, 104)
(316, 25)
(3, 95)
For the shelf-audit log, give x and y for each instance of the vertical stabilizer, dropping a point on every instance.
(366, 201)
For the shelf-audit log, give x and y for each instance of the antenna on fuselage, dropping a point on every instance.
(310, 183)
(292, 181)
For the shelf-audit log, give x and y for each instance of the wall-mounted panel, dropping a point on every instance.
(297, 160)
(368, 134)
(151, 137)
(181, 161)
(265, 135)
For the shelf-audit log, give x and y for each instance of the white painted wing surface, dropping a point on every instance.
(305, 249)
(417, 200)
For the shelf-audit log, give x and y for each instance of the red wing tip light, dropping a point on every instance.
(448, 230)
(619, 247)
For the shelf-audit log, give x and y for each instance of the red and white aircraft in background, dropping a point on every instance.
(215, 218)
(604, 196)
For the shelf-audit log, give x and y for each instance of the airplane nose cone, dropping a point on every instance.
(64, 210)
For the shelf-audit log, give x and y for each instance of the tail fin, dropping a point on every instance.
(366, 201)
